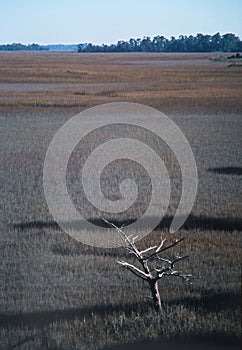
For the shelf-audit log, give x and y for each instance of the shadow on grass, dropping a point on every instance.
(36, 224)
(227, 170)
(211, 301)
(192, 222)
(199, 342)
(41, 318)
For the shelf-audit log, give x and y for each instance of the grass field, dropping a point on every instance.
(56, 293)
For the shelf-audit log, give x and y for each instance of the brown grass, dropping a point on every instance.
(56, 293)
(177, 83)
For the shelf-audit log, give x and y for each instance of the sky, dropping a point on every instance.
(107, 21)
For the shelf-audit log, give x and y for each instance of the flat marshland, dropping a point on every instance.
(56, 293)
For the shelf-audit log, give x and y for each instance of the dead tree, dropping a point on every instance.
(152, 266)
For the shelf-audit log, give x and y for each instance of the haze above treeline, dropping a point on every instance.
(200, 43)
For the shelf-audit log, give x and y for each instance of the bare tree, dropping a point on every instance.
(152, 266)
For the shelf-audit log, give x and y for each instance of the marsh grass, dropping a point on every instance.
(68, 295)
(180, 83)
(56, 293)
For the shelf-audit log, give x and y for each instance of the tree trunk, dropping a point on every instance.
(155, 295)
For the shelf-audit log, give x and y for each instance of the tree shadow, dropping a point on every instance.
(42, 318)
(192, 222)
(227, 170)
(36, 224)
(212, 301)
(218, 341)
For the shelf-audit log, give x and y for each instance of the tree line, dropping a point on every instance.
(22, 47)
(199, 43)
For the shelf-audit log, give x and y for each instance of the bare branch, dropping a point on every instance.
(147, 256)
(164, 260)
(177, 241)
(134, 270)
(161, 244)
(164, 270)
(162, 249)
(129, 244)
(181, 275)
(179, 258)
(148, 249)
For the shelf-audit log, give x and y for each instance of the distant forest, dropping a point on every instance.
(22, 47)
(37, 47)
(199, 43)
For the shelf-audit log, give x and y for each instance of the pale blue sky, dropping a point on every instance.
(107, 21)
